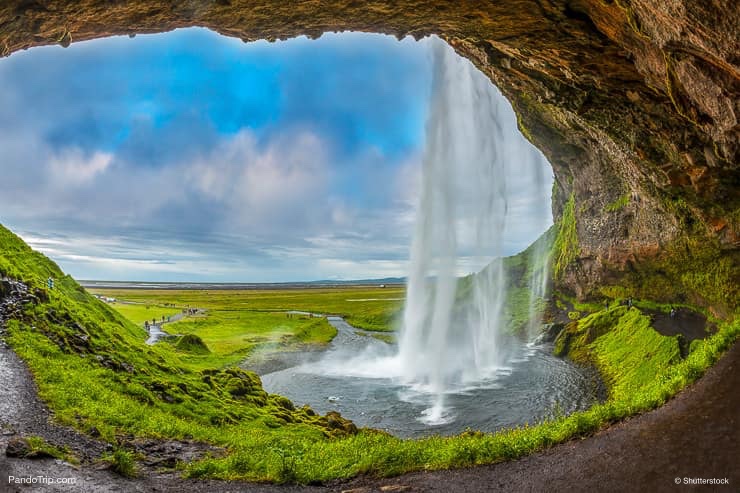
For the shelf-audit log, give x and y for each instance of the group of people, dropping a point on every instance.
(154, 322)
(673, 311)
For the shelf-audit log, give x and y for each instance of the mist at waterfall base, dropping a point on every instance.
(455, 365)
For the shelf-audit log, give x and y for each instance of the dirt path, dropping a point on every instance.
(23, 414)
(156, 332)
(691, 325)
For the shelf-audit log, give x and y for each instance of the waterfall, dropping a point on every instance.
(539, 265)
(462, 212)
(477, 171)
(539, 254)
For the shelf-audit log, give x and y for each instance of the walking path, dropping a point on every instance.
(156, 332)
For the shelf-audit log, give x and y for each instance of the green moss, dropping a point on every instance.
(694, 271)
(123, 462)
(624, 347)
(191, 343)
(618, 204)
(565, 248)
(37, 446)
(632, 353)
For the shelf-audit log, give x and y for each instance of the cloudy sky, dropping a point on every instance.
(188, 156)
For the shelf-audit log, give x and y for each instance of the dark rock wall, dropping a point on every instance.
(631, 100)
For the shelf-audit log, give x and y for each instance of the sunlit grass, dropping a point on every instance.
(370, 308)
(139, 313)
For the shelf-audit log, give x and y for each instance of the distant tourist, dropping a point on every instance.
(673, 312)
(629, 302)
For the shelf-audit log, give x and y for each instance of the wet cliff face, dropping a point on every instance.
(635, 102)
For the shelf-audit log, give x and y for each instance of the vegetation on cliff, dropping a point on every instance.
(695, 271)
(565, 248)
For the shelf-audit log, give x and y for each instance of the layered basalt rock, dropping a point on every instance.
(635, 102)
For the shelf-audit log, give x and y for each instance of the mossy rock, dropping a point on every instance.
(282, 402)
(239, 384)
(191, 343)
(337, 425)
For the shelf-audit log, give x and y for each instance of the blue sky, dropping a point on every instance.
(192, 156)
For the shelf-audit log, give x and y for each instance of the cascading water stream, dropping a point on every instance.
(462, 210)
(443, 344)
(456, 363)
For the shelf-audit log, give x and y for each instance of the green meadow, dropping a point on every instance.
(232, 324)
(369, 308)
(139, 313)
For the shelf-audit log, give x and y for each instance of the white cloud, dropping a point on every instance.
(286, 179)
(72, 167)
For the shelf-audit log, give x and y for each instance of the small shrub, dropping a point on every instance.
(123, 462)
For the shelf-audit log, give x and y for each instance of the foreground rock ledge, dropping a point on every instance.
(634, 102)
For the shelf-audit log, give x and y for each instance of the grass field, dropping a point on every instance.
(138, 313)
(235, 323)
(369, 308)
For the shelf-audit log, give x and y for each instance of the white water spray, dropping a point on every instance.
(445, 345)
(476, 169)
(452, 334)
(539, 252)
(539, 264)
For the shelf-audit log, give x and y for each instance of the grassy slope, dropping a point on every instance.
(266, 439)
(624, 347)
(128, 387)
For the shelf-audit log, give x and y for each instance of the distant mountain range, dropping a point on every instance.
(239, 285)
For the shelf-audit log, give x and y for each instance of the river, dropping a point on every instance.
(356, 376)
